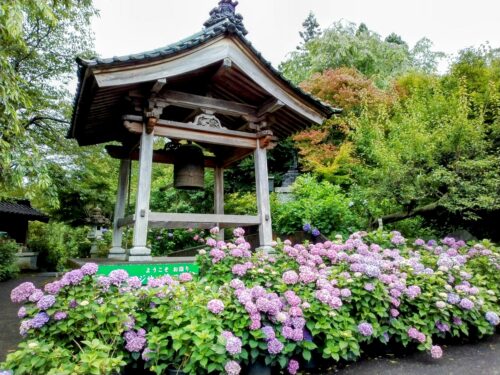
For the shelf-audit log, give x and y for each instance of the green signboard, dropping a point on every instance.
(145, 271)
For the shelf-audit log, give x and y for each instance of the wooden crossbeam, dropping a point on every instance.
(225, 107)
(159, 156)
(179, 130)
(176, 220)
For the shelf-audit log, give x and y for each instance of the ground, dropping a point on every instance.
(482, 358)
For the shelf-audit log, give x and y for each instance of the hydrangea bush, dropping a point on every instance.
(329, 300)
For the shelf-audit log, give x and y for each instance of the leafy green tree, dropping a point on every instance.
(39, 42)
(346, 45)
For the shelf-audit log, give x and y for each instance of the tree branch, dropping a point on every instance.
(398, 216)
(36, 119)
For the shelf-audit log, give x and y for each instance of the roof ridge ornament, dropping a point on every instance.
(226, 10)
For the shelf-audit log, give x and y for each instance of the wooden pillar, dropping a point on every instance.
(140, 251)
(263, 205)
(117, 251)
(219, 196)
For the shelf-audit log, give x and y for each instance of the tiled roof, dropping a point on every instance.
(223, 27)
(22, 208)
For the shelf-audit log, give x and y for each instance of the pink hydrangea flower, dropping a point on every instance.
(436, 351)
(215, 306)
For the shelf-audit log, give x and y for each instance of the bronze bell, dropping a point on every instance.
(189, 167)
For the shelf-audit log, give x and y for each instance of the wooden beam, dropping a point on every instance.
(225, 107)
(225, 67)
(176, 220)
(158, 85)
(270, 106)
(179, 130)
(159, 156)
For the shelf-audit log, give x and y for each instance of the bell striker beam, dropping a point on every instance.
(117, 251)
(140, 251)
(263, 205)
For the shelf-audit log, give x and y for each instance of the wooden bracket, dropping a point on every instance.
(150, 125)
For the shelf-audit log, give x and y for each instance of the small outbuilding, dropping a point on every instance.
(213, 90)
(15, 217)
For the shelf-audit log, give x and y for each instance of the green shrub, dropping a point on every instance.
(57, 242)
(8, 266)
(320, 204)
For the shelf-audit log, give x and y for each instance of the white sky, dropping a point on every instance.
(129, 26)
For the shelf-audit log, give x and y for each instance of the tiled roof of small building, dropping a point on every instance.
(22, 208)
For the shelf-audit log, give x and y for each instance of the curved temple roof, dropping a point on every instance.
(218, 62)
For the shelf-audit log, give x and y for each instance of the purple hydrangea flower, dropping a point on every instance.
(60, 315)
(315, 232)
(416, 334)
(293, 367)
(233, 345)
(239, 232)
(134, 282)
(236, 284)
(307, 227)
(269, 332)
(492, 318)
(36, 295)
(89, 268)
(274, 346)
(290, 277)
(46, 302)
(369, 287)
(442, 327)
(466, 304)
(232, 368)
(22, 312)
(53, 288)
(73, 277)
(22, 292)
(215, 306)
(345, 293)
(135, 340)
(365, 329)
(453, 298)
(413, 291)
(24, 327)
(436, 351)
(40, 320)
(118, 276)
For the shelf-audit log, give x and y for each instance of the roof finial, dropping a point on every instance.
(226, 10)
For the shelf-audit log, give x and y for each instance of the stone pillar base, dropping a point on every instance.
(140, 254)
(118, 253)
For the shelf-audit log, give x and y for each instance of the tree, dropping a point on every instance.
(39, 42)
(396, 39)
(311, 28)
(346, 45)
